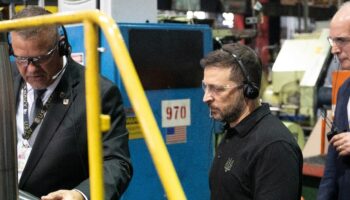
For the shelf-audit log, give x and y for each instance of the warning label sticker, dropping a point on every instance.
(132, 124)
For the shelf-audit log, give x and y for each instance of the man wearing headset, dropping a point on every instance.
(258, 158)
(335, 182)
(51, 118)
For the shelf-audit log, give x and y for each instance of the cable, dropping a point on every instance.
(329, 123)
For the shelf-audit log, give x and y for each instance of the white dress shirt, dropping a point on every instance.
(24, 147)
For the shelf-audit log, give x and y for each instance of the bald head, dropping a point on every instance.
(339, 34)
(343, 14)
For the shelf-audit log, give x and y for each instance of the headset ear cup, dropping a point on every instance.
(250, 90)
(63, 47)
(9, 44)
(10, 49)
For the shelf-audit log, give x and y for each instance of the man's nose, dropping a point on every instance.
(32, 66)
(207, 96)
(335, 49)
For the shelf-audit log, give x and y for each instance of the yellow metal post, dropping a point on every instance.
(138, 99)
(93, 111)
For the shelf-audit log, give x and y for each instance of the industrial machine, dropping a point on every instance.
(297, 74)
(166, 57)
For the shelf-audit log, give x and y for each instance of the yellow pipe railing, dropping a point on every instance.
(93, 111)
(151, 132)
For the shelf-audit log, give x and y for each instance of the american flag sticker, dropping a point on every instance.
(176, 135)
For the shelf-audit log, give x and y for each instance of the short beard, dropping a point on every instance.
(234, 112)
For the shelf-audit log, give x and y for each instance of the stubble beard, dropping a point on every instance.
(233, 112)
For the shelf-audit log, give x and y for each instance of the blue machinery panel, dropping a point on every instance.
(191, 157)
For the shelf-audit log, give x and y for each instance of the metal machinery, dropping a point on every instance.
(297, 74)
(166, 57)
(8, 166)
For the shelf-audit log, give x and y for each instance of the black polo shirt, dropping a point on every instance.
(257, 159)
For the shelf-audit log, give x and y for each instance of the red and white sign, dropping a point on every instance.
(176, 113)
(78, 57)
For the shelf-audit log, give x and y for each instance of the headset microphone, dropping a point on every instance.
(59, 72)
(336, 59)
(210, 115)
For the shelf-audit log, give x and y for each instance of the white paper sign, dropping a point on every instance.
(176, 113)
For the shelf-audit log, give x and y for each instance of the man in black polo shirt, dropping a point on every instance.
(258, 157)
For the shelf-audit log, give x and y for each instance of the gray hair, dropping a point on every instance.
(46, 31)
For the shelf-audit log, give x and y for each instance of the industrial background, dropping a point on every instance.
(167, 38)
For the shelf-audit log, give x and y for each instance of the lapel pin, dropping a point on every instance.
(65, 101)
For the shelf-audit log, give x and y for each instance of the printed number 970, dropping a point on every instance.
(175, 112)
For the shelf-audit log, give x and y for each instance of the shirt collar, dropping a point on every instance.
(244, 126)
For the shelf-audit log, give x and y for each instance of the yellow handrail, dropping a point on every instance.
(150, 130)
(93, 111)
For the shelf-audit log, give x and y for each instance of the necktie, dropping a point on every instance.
(38, 102)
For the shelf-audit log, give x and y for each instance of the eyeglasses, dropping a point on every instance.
(339, 41)
(38, 60)
(218, 89)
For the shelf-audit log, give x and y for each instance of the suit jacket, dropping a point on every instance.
(59, 156)
(335, 183)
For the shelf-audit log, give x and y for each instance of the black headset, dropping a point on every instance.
(250, 89)
(64, 48)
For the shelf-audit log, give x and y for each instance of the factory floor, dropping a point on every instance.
(312, 173)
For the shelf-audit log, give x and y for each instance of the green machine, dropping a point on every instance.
(296, 78)
(297, 73)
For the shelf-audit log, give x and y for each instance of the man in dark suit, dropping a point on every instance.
(51, 118)
(335, 183)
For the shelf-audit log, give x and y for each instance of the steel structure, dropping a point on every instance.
(97, 122)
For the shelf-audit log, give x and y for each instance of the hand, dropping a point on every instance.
(63, 195)
(341, 143)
